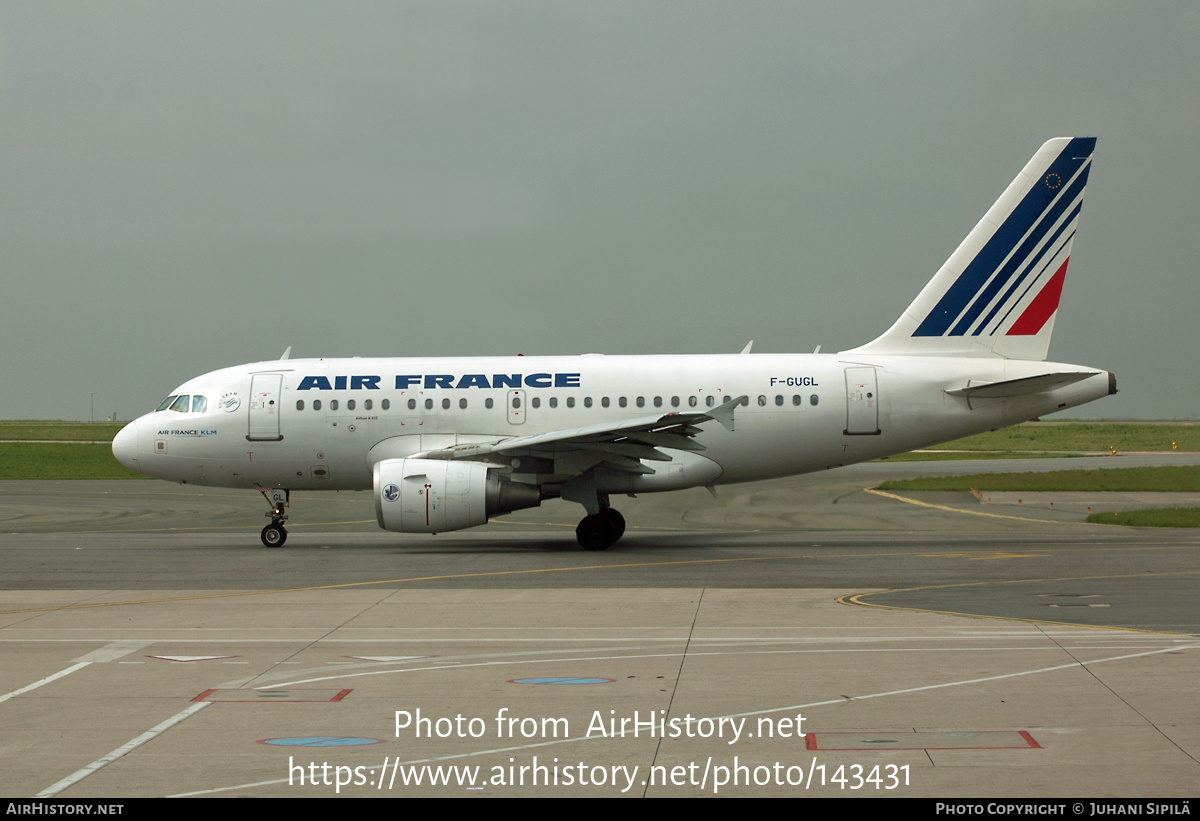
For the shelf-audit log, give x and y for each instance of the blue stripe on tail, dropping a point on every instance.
(1036, 213)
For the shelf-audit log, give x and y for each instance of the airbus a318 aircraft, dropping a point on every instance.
(447, 443)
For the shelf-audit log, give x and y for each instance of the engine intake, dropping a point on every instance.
(435, 495)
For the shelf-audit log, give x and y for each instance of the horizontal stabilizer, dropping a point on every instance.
(1021, 387)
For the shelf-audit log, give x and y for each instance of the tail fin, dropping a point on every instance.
(998, 293)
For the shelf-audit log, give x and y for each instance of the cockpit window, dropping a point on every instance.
(199, 404)
(166, 403)
(181, 404)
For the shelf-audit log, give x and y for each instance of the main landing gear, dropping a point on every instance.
(603, 526)
(598, 531)
(273, 535)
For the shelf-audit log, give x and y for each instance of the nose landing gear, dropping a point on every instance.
(274, 535)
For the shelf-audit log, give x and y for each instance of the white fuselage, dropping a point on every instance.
(323, 423)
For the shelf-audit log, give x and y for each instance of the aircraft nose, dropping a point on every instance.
(125, 446)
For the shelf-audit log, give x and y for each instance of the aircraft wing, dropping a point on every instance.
(620, 446)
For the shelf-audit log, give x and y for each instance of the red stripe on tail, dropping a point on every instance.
(1043, 306)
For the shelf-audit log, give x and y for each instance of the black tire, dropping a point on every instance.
(274, 535)
(595, 532)
(616, 520)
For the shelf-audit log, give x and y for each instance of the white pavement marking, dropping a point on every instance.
(45, 680)
(822, 651)
(965, 681)
(133, 744)
(109, 652)
(114, 650)
(474, 753)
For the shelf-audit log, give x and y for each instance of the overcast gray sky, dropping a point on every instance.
(188, 186)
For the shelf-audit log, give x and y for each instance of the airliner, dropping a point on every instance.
(448, 443)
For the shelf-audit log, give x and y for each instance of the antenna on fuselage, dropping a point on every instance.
(287, 352)
(749, 345)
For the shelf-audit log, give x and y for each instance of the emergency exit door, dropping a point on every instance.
(516, 407)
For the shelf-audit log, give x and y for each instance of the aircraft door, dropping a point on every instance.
(412, 411)
(264, 407)
(516, 407)
(862, 402)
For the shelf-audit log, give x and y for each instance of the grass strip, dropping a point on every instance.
(1181, 478)
(26, 430)
(1162, 517)
(1082, 436)
(68, 460)
(958, 455)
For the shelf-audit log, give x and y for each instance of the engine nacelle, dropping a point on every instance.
(435, 495)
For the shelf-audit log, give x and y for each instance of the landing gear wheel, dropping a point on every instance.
(600, 530)
(616, 520)
(274, 535)
(595, 532)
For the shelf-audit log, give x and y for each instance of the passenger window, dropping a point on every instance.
(796, 399)
(316, 404)
(349, 404)
(779, 400)
(333, 404)
(181, 404)
(812, 400)
(692, 400)
(710, 400)
(570, 401)
(462, 403)
(428, 404)
(445, 404)
(516, 402)
(623, 402)
(604, 402)
(412, 404)
(726, 400)
(658, 401)
(385, 404)
(199, 404)
(762, 401)
(299, 404)
(641, 401)
(489, 404)
(587, 401)
(536, 401)
(554, 401)
(674, 401)
(367, 404)
(166, 403)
